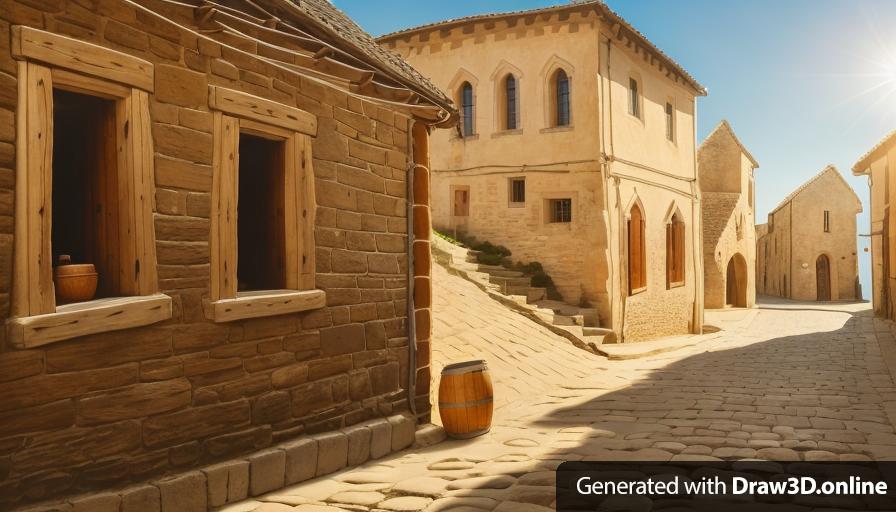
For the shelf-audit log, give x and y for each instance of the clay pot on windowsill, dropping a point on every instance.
(74, 282)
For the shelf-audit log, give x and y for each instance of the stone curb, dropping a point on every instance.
(232, 481)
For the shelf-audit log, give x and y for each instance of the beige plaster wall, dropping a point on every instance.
(586, 258)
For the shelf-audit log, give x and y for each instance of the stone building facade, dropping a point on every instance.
(156, 140)
(727, 191)
(876, 165)
(571, 121)
(807, 250)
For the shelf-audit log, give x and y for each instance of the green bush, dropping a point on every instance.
(490, 248)
(489, 258)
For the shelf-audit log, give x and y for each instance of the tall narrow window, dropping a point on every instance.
(466, 92)
(634, 98)
(675, 252)
(560, 210)
(827, 221)
(261, 242)
(670, 122)
(511, 104)
(85, 187)
(517, 191)
(562, 99)
(637, 253)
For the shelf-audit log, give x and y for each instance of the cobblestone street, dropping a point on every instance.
(783, 382)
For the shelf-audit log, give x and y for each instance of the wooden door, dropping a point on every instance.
(823, 278)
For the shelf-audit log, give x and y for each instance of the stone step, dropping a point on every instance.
(536, 294)
(471, 256)
(490, 268)
(507, 282)
(558, 307)
(595, 331)
(591, 316)
(516, 290)
(503, 273)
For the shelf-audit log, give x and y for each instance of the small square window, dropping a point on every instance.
(517, 191)
(560, 210)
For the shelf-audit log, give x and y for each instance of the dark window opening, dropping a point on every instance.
(518, 190)
(670, 122)
(510, 91)
(561, 210)
(261, 249)
(827, 221)
(563, 113)
(634, 106)
(467, 108)
(85, 223)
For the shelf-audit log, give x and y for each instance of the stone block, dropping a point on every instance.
(403, 431)
(227, 482)
(184, 493)
(301, 460)
(358, 444)
(380, 438)
(141, 498)
(344, 339)
(102, 502)
(266, 471)
(332, 452)
(134, 401)
(271, 407)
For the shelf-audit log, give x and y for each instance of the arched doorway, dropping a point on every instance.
(823, 278)
(736, 282)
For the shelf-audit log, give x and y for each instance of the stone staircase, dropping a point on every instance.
(580, 325)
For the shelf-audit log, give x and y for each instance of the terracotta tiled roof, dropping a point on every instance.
(829, 169)
(861, 167)
(597, 5)
(339, 24)
(725, 127)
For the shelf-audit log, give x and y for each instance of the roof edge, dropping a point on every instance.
(597, 5)
(862, 166)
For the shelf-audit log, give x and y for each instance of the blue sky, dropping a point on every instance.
(803, 83)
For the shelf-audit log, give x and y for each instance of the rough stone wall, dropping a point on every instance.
(796, 238)
(107, 409)
(566, 250)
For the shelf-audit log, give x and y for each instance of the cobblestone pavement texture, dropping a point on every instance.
(786, 381)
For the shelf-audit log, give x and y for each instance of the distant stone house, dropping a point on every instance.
(807, 250)
(250, 180)
(876, 164)
(576, 150)
(725, 169)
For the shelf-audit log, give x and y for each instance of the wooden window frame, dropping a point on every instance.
(551, 218)
(235, 112)
(636, 251)
(675, 253)
(47, 61)
(510, 202)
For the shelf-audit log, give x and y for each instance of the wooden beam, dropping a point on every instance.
(83, 84)
(266, 303)
(225, 190)
(251, 107)
(83, 318)
(91, 59)
(309, 214)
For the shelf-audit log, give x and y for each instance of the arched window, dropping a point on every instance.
(466, 102)
(637, 252)
(561, 88)
(675, 251)
(510, 103)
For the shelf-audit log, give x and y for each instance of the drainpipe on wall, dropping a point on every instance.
(411, 321)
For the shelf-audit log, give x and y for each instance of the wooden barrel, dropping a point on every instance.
(466, 399)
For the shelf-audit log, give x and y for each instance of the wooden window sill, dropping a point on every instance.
(91, 317)
(504, 133)
(516, 205)
(555, 129)
(264, 303)
(637, 291)
(676, 285)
